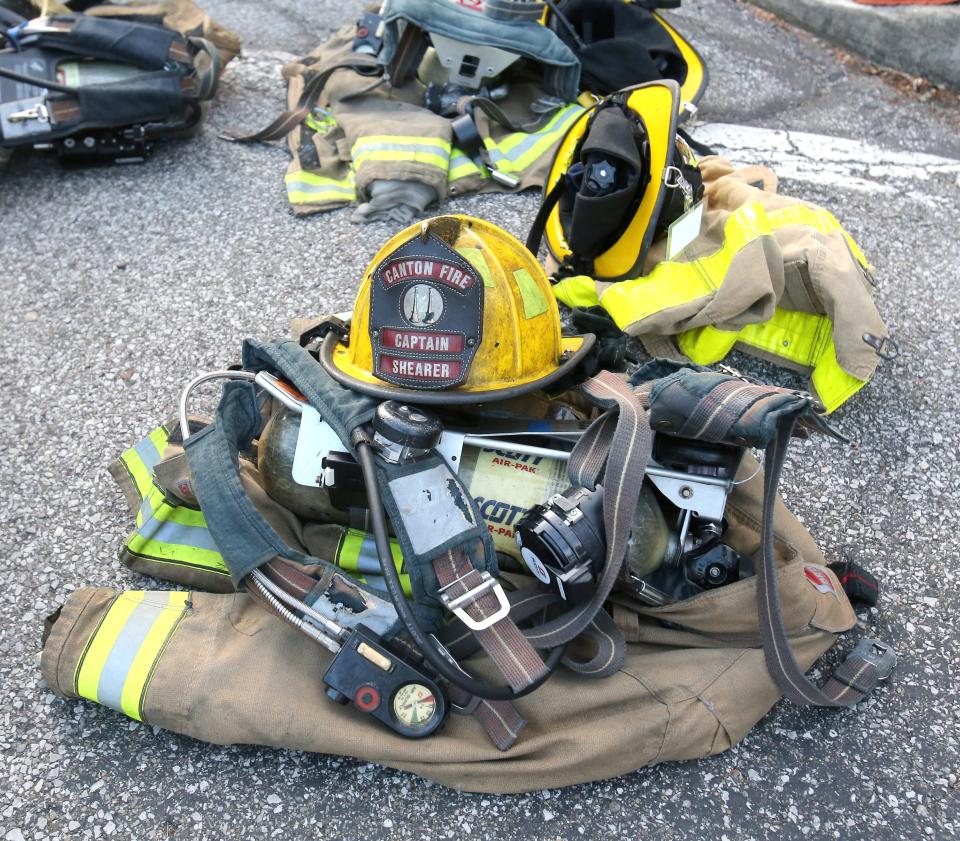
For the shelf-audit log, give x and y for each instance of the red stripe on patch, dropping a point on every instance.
(819, 579)
(421, 342)
(427, 370)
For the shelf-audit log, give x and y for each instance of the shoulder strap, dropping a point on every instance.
(619, 444)
(702, 404)
(286, 122)
(869, 663)
(539, 226)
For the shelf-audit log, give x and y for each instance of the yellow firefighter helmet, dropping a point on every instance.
(453, 310)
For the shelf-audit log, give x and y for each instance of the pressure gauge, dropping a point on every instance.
(369, 674)
(415, 706)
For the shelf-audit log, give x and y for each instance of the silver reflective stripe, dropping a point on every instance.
(148, 453)
(168, 531)
(125, 649)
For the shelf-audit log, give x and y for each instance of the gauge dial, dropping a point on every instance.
(414, 705)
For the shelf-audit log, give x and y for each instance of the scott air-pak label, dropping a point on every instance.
(426, 315)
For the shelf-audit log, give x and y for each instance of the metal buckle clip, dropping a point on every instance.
(673, 179)
(880, 655)
(36, 112)
(456, 605)
(457, 709)
(883, 346)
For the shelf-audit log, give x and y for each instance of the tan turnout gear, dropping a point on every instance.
(221, 669)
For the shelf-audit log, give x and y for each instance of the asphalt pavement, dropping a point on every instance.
(119, 284)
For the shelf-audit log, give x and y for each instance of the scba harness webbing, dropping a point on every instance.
(641, 537)
(695, 405)
(101, 88)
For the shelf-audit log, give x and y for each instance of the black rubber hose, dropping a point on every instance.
(443, 667)
(35, 81)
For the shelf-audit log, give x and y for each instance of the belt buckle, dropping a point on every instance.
(457, 604)
(880, 655)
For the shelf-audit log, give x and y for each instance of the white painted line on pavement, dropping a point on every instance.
(832, 161)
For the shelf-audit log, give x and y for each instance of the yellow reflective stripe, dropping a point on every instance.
(175, 553)
(300, 197)
(706, 345)
(427, 158)
(800, 337)
(119, 659)
(357, 555)
(796, 336)
(390, 140)
(170, 533)
(306, 187)
(99, 646)
(462, 167)
(807, 339)
(149, 653)
(672, 283)
(349, 554)
(535, 144)
(432, 151)
(818, 218)
(160, 438)
(138, 472)
(305, 176)
(322, 125)
(578, 291)
(162, 551)
(832, 383)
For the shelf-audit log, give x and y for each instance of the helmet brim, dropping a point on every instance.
(337, 365)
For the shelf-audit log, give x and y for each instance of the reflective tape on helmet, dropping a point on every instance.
(305, 187)
(121, 656)
(357, 554)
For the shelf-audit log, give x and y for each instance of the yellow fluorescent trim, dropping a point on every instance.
(95, 657)
(149, 652)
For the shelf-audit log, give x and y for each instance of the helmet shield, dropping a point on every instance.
(426, 315)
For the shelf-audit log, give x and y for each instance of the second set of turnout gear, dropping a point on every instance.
(755, 270)
(425, 99)
(643, 528)
(106, 84)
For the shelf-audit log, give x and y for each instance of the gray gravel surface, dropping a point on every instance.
(118, 284)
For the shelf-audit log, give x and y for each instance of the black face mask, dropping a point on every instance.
(606, 183)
